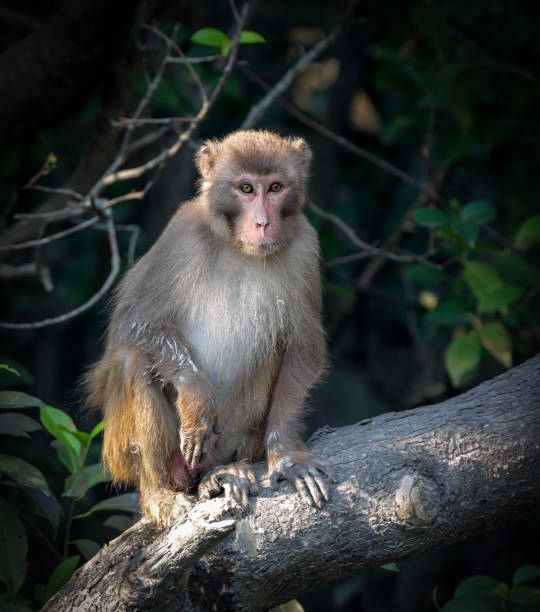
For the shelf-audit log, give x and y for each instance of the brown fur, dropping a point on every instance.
(204, 329)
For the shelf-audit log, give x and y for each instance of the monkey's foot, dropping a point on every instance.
(165, 508)
(304, 472)
(236, 480)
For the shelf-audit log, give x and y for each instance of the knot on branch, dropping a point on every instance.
(417, 500)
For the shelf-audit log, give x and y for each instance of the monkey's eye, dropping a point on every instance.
(246, 188)
(276, 187)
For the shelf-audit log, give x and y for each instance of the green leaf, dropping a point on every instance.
(128, 502)
(47, 505)
(526, 573)
(468, 231)
(66, 457)
(87, 548)
(249, 38)
(12, 372)
(209, 36)
(499, 300)
(13, 548)
(120, 522)
(425, 274)
(78, 484)
(390, 567)
(84, 438)
(97, 429)
(226, 47)
(23, 473)
(462, 356)
(61, 575)
(431, 217)
(487, 286)
(497, 341)
(54, 417)
(529, 231)
(448, 312)
(18, 399)
(481, 278)
(476, 585)
(60, 425)
(13, 424)
(478, 211)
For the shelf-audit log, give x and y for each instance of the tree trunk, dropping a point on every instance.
(408, 482)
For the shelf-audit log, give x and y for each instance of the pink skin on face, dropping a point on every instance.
(261, 198)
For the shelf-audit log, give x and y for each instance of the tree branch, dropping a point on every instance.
(408, 482)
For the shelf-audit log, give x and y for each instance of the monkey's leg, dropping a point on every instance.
(236, 480)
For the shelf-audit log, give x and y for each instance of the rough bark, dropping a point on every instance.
(408, 482)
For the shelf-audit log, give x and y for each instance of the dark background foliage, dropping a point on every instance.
(447, 92)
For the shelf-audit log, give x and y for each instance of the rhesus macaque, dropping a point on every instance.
(216, 337)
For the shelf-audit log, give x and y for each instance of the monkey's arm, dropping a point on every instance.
(287, 455)
(170, 363)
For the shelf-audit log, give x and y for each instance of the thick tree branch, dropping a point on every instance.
(408, 482)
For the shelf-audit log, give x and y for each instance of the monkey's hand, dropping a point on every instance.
(304, 472)
(236, 480)
(198, 422)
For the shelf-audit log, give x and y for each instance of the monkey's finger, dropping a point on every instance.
(313, 489)
(320, 483)
(253, 484)
(245, 500)
(188, 452)
(274, 479)
(303, 490)
(196, 454)
(326, 471)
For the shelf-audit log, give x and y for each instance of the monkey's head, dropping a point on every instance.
(254, 184)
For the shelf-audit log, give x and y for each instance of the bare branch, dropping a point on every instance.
(256, 113)
(9, 271)
(173, 45)
(368, 250)
(196, 60)
(115, 268)
(130, 173)
(408, 482)
(346, 144)
(52, 237)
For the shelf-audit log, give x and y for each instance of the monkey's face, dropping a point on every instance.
(255, 184)
(261, 203)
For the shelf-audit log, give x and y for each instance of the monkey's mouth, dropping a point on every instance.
(262, 247)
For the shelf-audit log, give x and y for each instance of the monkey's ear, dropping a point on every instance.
(205, 159)
(303, 151)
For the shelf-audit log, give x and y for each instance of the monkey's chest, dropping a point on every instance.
(234, 335)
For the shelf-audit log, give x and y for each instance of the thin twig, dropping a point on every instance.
(257, 111)
(57, 190)
(9, 271)
(195, 60)
(115, 268)
(172, 44)
(368, 250)
(126, 121)
(51, 238)
(130, 173)
(346, 144)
